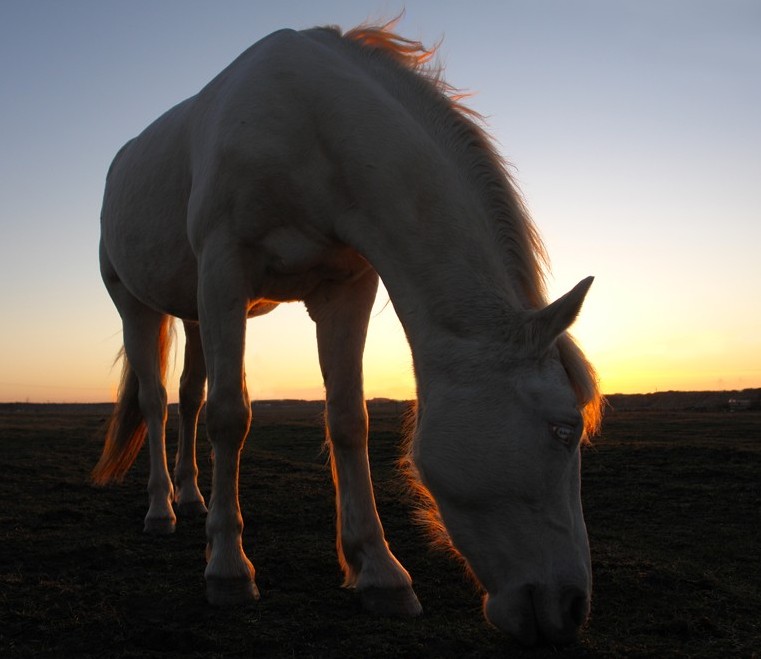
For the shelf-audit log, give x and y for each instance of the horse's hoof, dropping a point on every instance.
(231, 592)
(391, 602)
(191, 510)
(159, 525)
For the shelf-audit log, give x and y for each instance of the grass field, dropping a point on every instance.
(672, 503)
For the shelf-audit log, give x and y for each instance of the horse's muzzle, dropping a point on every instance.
(535, 614)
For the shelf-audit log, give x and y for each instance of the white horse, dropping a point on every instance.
(312, 164)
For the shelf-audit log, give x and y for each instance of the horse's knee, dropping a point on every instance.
(347, 425)
(152, 399)
(191, 399)
(228, 416)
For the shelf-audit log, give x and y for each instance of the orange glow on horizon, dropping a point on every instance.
(281, 360)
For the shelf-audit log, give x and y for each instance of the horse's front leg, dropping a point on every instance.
(189, 500)
(222, 306)
(341, 312)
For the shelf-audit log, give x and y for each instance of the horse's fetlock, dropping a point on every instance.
(185, 474)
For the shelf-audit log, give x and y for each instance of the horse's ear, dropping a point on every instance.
(549, 323)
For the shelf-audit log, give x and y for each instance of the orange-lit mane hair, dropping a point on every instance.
(412, 55)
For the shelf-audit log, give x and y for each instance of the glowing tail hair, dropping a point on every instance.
(126, 429)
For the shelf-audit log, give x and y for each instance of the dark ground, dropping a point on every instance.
(672, 501)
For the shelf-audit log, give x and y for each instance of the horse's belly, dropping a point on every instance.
(298, 262)
(166, 284)
(154, 262)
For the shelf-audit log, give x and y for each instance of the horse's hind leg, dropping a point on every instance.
(341, 312)
(146, 343)
(190, 502)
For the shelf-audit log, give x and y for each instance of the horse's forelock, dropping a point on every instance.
(585, 384)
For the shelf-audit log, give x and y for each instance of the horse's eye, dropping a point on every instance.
(563, 433)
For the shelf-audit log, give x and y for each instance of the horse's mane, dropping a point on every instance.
(524, 252)
(525, 255)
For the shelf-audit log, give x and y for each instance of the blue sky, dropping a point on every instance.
(632, 126)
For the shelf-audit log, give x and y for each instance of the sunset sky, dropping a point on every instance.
(633, 127)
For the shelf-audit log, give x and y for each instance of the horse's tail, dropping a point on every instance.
(126, 429)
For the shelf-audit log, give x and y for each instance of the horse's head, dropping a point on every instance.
(499, 453)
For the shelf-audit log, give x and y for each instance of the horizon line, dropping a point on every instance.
(387, 399)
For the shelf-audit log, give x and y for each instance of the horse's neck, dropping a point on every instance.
(426, 227)
(446, 277)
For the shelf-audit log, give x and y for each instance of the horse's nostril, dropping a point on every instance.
(535, 613)
(576, 607)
